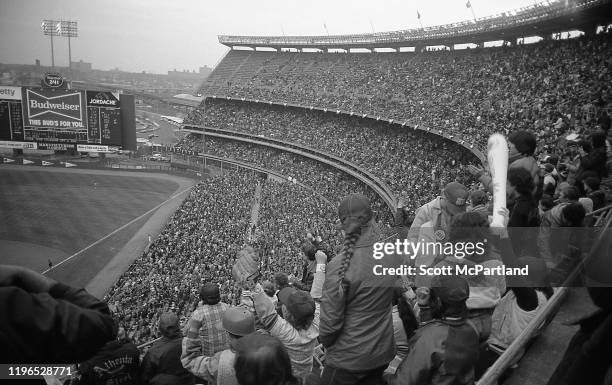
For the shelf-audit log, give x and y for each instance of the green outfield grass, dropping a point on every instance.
(50, 214)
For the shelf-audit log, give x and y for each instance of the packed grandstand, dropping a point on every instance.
(403, 130)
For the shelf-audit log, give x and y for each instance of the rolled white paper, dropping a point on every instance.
(497, 156)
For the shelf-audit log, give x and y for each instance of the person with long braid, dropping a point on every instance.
(356, 326)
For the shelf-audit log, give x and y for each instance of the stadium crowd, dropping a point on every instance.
(197, 245)
(553, 87)
(373, 146)
(302, 304)
(326, 180)
(315, 302)
(306, 307)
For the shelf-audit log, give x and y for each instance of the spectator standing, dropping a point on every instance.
(299, 328)
(445, 349)
(219, 368)
(162, 362)
(356, 305)
(524, 217)
(118, 362)
(485, 290)
(210, 312)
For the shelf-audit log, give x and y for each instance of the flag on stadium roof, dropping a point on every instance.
(7, 160)
(45, 163)
(25, 161)
(418, 14)
(70, 164)
(468, 4)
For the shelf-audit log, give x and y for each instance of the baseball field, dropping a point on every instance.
(82, 220)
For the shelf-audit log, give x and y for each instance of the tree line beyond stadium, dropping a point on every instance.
(62, 119)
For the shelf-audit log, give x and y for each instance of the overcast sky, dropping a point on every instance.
(160, 35)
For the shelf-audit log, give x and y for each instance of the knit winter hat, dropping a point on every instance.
(246, 265)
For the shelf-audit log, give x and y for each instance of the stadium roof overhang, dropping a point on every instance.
(585, 16)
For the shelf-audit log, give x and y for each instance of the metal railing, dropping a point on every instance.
(511, 354)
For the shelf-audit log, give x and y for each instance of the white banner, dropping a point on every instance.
(8, 92)
(19, 145)
(91, 148)
(25, 161)
(70, 164)
(7, 160)
(44, 163)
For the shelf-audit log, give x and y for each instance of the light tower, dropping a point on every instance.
(61, 28)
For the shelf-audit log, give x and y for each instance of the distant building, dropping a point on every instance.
(81, 66)
(186, 75)
(205, 71)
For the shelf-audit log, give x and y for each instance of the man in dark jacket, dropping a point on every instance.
(445, 350)
(44, 321)
(118, 362)
(163, 360)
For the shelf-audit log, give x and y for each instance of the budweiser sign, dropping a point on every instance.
(63, 105)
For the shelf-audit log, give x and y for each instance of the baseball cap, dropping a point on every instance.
(238, 321)
(299, 303)
(456, 195)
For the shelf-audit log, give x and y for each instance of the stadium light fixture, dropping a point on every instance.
(60, 28)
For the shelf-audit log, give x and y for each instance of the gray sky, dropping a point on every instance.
(160, 35)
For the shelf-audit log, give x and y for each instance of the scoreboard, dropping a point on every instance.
(61, 119)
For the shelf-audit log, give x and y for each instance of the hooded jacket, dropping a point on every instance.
(356, 326)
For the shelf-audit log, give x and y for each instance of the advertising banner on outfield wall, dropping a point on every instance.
(10, 93)
(19, 145)
(92, 148)
(56, 146)
(54, 109)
